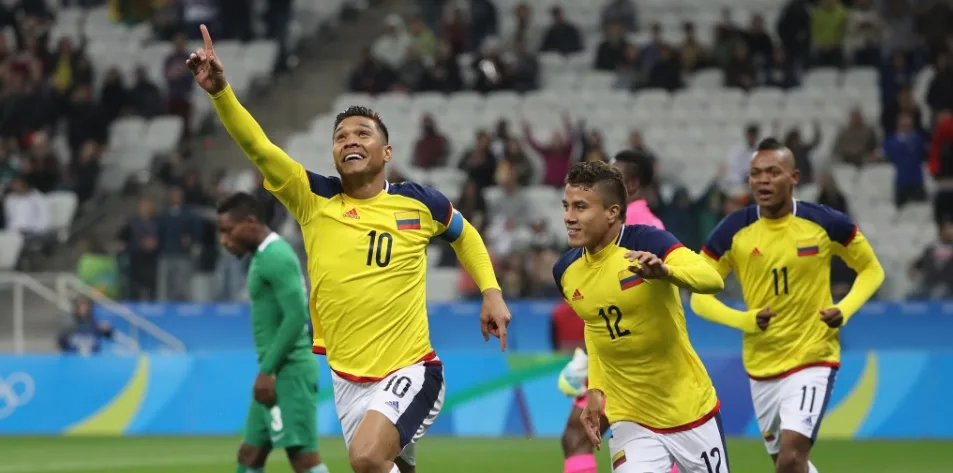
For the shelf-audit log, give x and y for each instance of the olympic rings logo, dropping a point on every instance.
(16, 390)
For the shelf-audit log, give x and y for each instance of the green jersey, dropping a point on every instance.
(279, 309)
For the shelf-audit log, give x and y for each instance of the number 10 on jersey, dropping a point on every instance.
(379, 246)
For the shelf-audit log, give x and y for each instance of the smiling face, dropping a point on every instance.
(360, 147)
(772, 178)
(587, 215)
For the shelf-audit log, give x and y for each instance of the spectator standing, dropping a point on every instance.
(517, 163)
(523, 68)
(371, 76)
(932, 272)
(622, 12)
(830, 194)
(903, 103)
(478, 162)
(562, 36)
(740, 72)
(691, 53)
(391, 48)
(112, 97)
(828, 27)
(455, 28)
(179, 84)
(177, 233)
(432, 148)
(557, 154)
(759, 42)
(666, 73)
(739, 159)
(780, 72)
(84, 120)
(940, 90)
(445, 75)
(895, 75)
(864, 34)
(423, 38)
(145, 98)
(941, 166)
(610, 52)
(26, 209)
(139, 242)
(484, 22)
(84, 171)
(907, 150)
(650, 52)
(472, 205)
(856, 143)
(802, 152)
(629, 75)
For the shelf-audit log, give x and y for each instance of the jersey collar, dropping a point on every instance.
(272, 237)
(598, 258)
(758, 209)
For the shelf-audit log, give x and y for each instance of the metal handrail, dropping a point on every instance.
(61, 300)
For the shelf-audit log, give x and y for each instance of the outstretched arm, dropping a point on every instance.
(272, 161)
(708, 307)
(690, 271)
(297, 189)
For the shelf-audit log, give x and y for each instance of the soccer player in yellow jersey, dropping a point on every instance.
(780, 250)
(366, 241)
(623, 281)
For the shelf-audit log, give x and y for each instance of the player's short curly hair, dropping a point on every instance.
(240, 206)
(770, 144)
(362, 111)
(601, 177)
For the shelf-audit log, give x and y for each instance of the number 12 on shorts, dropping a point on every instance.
(712, 460)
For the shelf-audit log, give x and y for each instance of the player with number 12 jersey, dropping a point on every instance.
(623, 281)
(780, 250)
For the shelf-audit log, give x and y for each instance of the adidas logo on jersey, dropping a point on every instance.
(352, 214)
(393, 404)
(577, 296)
(755, 252)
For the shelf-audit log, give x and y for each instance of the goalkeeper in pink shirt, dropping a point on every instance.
(638, 170)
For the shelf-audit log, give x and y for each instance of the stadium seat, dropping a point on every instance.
(11, 244)
(62, 210)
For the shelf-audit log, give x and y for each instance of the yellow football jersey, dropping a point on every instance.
(367, 262)
(785, 263)
(639, 352)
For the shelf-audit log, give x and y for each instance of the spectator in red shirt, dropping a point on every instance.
(567, 329)
(941, 166)
(432, 147)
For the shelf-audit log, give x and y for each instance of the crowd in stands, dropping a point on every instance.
(455, 45)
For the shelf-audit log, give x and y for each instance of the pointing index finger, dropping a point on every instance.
(209, 48)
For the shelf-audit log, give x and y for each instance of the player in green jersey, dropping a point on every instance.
(283, 413)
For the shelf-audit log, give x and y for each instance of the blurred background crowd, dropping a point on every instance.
(490, 101)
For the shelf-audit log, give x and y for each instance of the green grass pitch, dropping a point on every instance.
(435, 455)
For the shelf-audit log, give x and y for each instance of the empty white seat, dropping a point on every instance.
(62, 210)
(127, 132)
(11, 244)
(164, 133)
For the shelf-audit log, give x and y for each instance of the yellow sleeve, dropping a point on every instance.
(708, 307)
(471, 251)
(870, 274)
(284, 177)
(596, 375)
(690, 271)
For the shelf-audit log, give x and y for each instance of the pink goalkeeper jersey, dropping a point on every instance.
(638, 213)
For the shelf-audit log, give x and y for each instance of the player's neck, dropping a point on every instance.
(363, 187)
(776, 212)
(261, 235)
(609, 238)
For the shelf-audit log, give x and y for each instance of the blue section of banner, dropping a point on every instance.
(456, 326)
(877, 395)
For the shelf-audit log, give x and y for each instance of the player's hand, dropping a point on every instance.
(264, 390)
(207, 70)
(592, 416)
(649, 267)
(832, 317)
(494, 316)
(763, 318)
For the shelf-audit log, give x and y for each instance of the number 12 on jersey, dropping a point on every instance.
(613, 317)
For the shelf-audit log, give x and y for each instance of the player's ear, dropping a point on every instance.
(795, 176)
(613, 212)
(388, 153)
